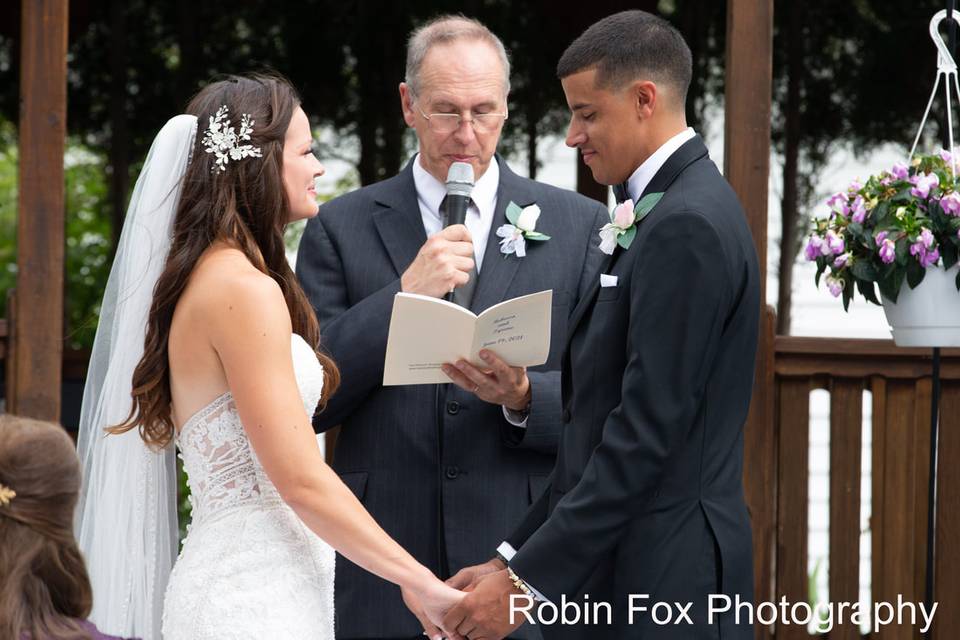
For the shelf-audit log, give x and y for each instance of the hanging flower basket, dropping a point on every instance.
(899, 233)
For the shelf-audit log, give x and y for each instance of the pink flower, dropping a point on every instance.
(886, 181)
(951, 204)
(838, 204)
(812, 250)
(923, 184)
(924, 250)
(623, 215)
(900, 171)
(888, 250)
(842, 260)
(946, 156)
(855, 186)
(834, 242)
(835, 285)
(858, 209)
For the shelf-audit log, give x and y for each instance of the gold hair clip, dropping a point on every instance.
(6, 495)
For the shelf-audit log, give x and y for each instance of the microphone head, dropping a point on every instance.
(460, 179)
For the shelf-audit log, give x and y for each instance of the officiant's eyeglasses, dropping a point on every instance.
(450, 122)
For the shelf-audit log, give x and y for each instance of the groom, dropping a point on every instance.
(646, 499)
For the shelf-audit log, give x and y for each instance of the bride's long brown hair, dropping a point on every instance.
(245, 205)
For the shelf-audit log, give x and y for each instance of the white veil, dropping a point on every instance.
(127, 518)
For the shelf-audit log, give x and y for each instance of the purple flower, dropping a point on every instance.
(923, 184)
(946, 156)
(951, 204)
(855, 186)
(838, 204)
(885, 182)
(924, 250)
(835, 285)
(842, 260)
(814, 245)
(900, 171)
(834, 242)
(859, 210)
(888, 250)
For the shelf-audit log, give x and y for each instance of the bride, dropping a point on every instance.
(205, 327)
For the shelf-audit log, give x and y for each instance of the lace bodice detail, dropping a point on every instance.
(222, 469)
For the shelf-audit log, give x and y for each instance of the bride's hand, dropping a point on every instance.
(431, 604)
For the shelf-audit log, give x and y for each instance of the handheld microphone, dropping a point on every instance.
(459, 186)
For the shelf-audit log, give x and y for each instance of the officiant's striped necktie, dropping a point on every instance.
(462, 296)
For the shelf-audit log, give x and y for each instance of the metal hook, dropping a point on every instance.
(946, 66)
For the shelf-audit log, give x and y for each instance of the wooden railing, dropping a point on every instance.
(901, 386)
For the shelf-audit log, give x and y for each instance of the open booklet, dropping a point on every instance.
(427, 332)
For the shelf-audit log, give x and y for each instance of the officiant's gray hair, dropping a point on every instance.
(444, 29)
(627, 46)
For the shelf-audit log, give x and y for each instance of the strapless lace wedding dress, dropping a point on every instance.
(249, 568)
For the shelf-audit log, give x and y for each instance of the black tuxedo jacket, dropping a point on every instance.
(446, 502)
(647, 496)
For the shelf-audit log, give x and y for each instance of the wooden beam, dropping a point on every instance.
(746, 131)
(38, 330)
(746, 162)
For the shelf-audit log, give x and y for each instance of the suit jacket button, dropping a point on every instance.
(453, 407)
(566, 416)
(452, 472)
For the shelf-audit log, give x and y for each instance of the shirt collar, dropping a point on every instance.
(645, 172)
(431, 191)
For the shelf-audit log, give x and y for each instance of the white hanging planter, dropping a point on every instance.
(928, 316)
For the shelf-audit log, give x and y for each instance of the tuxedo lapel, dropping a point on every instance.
(499, 269)
(399, 223)
(688, 153)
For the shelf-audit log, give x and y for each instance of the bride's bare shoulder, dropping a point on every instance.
(225, 286)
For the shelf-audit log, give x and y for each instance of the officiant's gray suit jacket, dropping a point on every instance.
(443, 472)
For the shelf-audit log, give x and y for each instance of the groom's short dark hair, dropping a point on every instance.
(631, 45)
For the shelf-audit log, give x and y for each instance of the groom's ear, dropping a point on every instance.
(643, 95)
(406, 104)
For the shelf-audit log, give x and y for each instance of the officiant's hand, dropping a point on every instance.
(442, 264)
(467, 578)
(497, 383)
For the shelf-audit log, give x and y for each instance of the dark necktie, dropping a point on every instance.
(462, 296)
(620, 192)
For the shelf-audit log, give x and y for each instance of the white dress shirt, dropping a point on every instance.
(645, 172)
(483, 203)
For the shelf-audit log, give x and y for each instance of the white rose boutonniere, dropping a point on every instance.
(522, 227)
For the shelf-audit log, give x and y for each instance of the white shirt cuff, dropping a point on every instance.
(513, 417)
(507, 551)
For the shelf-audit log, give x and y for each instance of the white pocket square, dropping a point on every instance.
(606, 280)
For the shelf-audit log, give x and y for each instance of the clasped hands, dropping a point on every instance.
(482, 614)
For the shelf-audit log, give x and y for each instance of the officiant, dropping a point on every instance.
(446, 469)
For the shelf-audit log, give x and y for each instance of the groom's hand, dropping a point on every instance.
(485, 611)
(498, 383)
(467, 578)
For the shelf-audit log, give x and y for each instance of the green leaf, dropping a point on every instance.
(948, 251)
(847, 295)
(625, 239)
(864, 270)
(958, 281)
(868, 291)
(646, 203)
(535, 235)
(821, 266)
(915, 274)
(513, 212)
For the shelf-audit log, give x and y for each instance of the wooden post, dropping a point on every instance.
(749, 78)
(38, 322)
